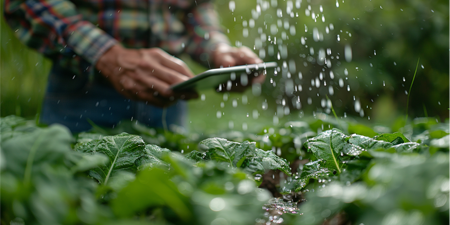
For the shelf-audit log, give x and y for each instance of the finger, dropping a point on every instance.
(163, 73)
(226, 60)
(246, 56)
(176, 64)
(152, 84)
(140, 92)
(158, 56)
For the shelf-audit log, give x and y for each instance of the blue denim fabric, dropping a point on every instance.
(72, 100)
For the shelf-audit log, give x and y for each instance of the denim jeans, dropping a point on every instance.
(72, 100)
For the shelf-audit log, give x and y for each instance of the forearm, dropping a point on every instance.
(55, 27)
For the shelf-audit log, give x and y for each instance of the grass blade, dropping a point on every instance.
(410, 87)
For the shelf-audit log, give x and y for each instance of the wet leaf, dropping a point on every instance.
(121, 150)
(328, 146)
(153, 157)
(244, 155)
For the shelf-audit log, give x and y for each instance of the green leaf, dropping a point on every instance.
(328, 146)
(26, 154)
(222, 150)
(311, 170)
(153, 157)
(12, 126)
(151, 187)
(361, 143)
(265, 160)
(122, 151)
(395, 138)
(86, 137)
(88, 162)
(244, 155)
(197, 156)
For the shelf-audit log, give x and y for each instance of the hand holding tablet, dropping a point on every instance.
(212, 79)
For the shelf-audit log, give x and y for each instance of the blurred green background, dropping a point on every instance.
(312, 41)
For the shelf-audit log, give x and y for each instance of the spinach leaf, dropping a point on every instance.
(265, 160)
(244, 155)
(395, 138)
(121, 150)
(222, 150)
(27, 154)
(328, 146)
(153, 157)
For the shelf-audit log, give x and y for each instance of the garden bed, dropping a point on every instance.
(320, 171)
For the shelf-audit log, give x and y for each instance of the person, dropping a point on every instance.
(115, 60)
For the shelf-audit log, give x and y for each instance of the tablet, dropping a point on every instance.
(211, 79)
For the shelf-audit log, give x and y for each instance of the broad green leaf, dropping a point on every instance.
(265, 160)
(222, 150)
(12, 126)
(153, 157)
(360, 143)
(395, 138)
(86, 137)
(26, 154)
(328, 146)
(152, 187)
(87, 162)
(244, 155)
(314, 170)
(196, 156)
(122, 151)
(311, 170)
(406, 147)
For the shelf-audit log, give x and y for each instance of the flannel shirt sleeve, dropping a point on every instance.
(54, 27)
(204, 31)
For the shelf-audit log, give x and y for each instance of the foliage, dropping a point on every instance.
(49, 178)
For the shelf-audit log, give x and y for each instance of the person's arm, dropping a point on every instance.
(211, 47)
(55, 27)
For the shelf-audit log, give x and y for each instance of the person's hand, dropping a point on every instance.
(145, 74)
(226, 56)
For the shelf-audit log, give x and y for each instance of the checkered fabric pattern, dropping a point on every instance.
(76, 33)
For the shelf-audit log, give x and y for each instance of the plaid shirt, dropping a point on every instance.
(74, 34)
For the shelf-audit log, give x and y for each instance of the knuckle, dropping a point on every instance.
(156, 51)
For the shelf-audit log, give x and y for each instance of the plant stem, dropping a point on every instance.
(410, 87)
(425, 110)
(164, 122)
(334, 113)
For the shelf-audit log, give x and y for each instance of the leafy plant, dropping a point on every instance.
(243, 155)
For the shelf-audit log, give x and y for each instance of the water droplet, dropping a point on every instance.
(234, 103)
(232, 6)
(348, 53)
(357, 106)
(341, 82)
